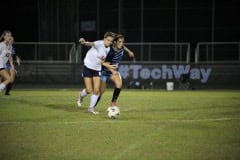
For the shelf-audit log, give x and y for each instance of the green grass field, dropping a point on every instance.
(179, 125)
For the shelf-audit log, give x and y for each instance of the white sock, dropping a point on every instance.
(83, 93)
(2, 86)
(93, 101)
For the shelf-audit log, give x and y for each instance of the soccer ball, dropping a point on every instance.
(113, 112)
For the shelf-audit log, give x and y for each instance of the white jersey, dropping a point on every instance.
(5, 52)
(96, 55)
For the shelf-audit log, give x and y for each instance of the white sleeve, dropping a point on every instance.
(98, 44)
(1, 48)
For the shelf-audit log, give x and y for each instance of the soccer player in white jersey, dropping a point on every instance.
(93, 62)
(5, 56)
(9, 68)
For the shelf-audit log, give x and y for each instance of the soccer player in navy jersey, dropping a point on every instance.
(114, 58)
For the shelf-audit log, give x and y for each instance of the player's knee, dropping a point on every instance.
(88, 91)
(8, 80)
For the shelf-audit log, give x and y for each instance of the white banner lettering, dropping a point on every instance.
(164, 72)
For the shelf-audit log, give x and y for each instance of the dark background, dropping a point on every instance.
(140, 20)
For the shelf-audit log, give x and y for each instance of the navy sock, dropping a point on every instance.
(8, 88)
(116, 93)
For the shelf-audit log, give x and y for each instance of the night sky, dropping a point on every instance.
(163, 21)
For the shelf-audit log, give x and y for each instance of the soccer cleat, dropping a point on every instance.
(79, 101)
(79, 104)
(91, 110)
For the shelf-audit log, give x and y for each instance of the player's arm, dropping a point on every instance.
(112, 68)
(15, 56)
(86, 43)
(18, 60)
(1, 49)
(10, 58)
(130, 53)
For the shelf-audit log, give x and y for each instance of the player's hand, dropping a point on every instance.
(131, 54)
(113, 67)
(82, 40)
(18, 61)
(115, 72)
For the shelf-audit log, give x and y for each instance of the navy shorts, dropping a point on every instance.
(8, 67)
(87, 72)
(105, 75)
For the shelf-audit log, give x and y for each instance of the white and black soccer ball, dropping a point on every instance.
(113, 112)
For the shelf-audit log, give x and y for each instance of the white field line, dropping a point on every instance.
(121, 121)
(139, 143)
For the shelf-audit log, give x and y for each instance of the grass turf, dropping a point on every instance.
(179, 125)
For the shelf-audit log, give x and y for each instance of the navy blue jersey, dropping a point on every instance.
(13, 53)
(114, 57)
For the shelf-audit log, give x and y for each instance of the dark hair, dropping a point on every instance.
(118, 36)
(109, 34)
(3, 34)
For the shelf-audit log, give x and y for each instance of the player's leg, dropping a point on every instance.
(117, 80)
(12, 73)
(87, 90)
(81, 95)
(95, 95)
(87, 76)
(103, 86)
(6, 78)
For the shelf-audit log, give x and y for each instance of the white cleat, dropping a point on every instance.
(79, 101)
(91, 110)
(79, 104)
